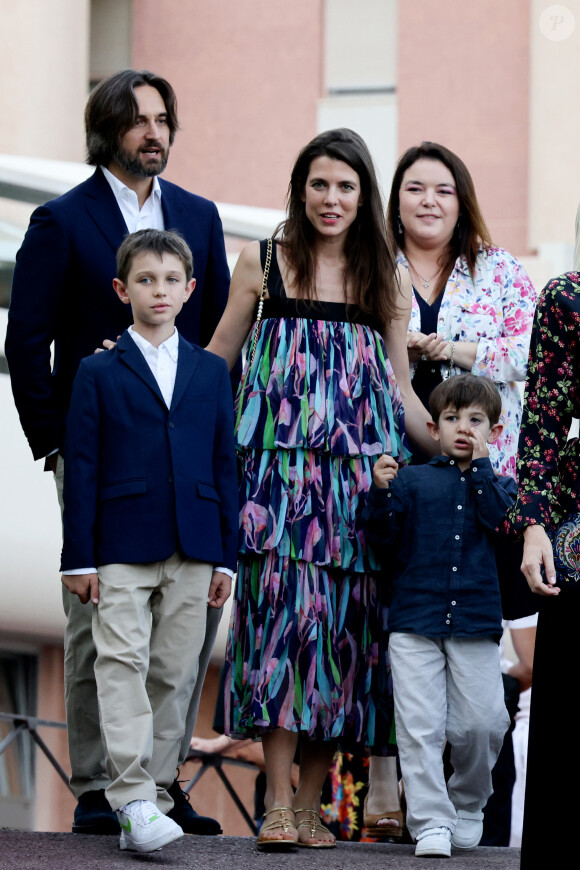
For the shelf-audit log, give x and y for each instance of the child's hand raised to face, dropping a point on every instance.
(480, 451)
(384, 471)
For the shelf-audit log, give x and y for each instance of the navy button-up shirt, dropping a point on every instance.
(434, 529)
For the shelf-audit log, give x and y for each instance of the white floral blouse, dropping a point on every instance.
(496, 310)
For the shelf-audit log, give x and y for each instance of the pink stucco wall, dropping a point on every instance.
(247, 76)
(463, 80)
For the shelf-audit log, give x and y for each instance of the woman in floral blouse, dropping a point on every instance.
(549, 491)
(473, 303)
(472, 310)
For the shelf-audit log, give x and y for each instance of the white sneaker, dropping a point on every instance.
(144, 828)
(468, 830)
(434, 842)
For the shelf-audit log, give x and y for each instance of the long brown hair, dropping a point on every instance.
(112, 110)
(370, 268)
(470, 233)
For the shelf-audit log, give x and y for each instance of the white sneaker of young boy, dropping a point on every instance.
(144, 828)
(434, 842)
(468, 830)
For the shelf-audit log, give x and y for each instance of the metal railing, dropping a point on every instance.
(209, 760)
(29, 725)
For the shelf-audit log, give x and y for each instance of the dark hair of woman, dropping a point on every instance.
(470, 233)
(112, 110)
(370, 269)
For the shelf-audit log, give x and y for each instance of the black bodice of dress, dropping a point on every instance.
(279, 304)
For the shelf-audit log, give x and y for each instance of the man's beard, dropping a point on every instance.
(131, 162)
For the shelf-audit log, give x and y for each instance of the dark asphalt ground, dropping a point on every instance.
(36, 851)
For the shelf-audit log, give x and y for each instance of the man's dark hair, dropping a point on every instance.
(463, 391)
(158, 242)
(112, 110)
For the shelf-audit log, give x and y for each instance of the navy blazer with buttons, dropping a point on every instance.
(62, 292)
(142, 480)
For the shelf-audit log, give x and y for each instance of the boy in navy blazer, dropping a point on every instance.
(62, 296)
(150, 525)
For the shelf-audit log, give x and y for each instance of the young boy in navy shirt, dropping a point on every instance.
(437, 522)
(150, 526)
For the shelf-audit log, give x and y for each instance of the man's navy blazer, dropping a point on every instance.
(142, 480)
(63, 292)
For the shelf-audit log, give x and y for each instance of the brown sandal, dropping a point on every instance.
(312, 821)
(373, 829)
(285, 821)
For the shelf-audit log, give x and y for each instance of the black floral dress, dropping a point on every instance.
(549, 489)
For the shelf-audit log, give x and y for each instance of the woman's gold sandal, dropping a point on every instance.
(284, 821)
(312, 821)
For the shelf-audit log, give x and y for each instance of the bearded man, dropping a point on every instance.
(63, 293)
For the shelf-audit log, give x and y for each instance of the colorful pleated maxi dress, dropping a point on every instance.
(306, 647)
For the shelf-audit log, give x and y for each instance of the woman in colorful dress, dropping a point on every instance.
(472, 311)
(549, 494)
(317, 406)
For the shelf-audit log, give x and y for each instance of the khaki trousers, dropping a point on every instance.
(87, 757)
(148, 629)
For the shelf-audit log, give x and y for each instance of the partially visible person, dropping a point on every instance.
(503, 812)
(576, 263)
(249, 751)
(549, 497)
(63, 293)
(472, 309)
(149, 526)
(342, 804)
(318, 406)
(438, 521)
(523, 635)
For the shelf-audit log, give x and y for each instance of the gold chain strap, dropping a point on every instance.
(261, 303)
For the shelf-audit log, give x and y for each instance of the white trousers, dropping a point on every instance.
(446, 689)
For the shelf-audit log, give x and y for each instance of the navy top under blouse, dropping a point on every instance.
(427, 373)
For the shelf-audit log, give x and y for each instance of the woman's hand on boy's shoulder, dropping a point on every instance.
(384, 471)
